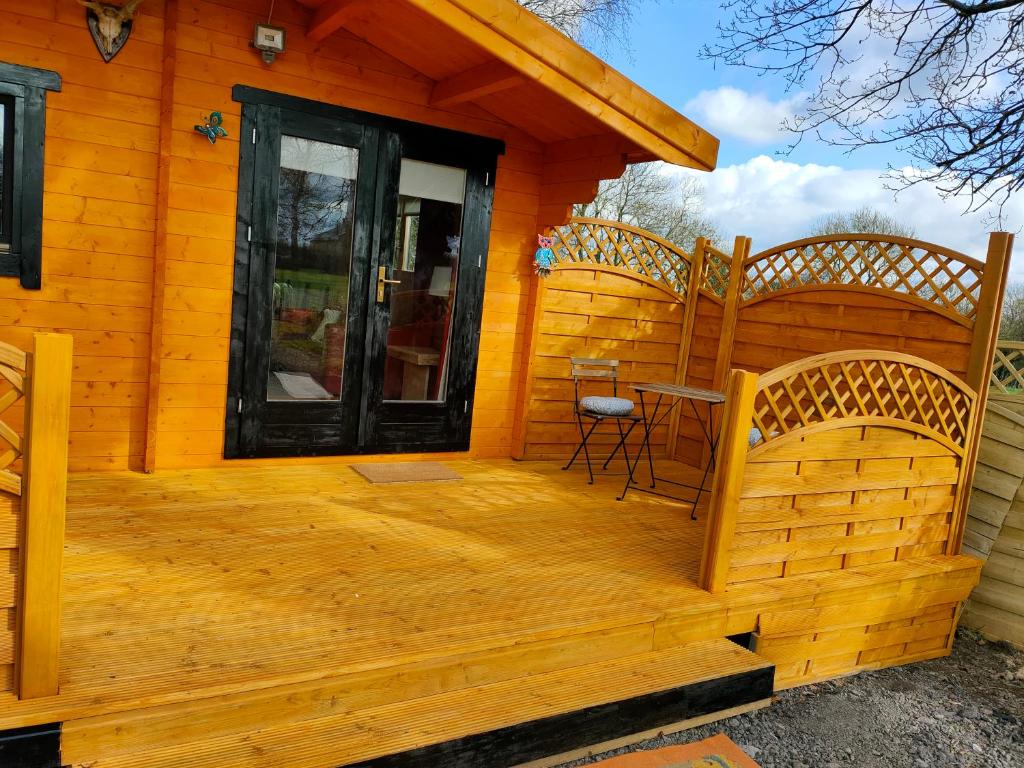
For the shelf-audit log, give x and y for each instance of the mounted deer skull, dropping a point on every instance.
(110, 25)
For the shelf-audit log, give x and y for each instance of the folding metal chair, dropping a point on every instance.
(598, 409)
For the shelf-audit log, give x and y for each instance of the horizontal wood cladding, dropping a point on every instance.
(784, 328)
(872, 631)
(99, 212)
(597, 314)
(841, 498)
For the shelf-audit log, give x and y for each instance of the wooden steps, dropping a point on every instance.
(512, 721)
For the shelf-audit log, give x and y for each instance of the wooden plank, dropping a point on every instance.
(780, 479)
(471, 84)
(686, 339)
(46, 459)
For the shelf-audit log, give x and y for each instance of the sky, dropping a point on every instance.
(758, 189)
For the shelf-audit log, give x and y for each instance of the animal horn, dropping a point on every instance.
(128, 9)
(94, 7)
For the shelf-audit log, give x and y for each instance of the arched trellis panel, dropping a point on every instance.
(837, 461)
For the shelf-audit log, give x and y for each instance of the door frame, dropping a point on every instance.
(417, 141)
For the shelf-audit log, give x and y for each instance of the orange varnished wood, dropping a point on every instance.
(203, 605)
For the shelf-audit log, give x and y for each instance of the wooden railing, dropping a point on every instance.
(838, 460)
(1008, 372)
(35, 389)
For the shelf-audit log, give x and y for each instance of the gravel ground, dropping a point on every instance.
(963, 711)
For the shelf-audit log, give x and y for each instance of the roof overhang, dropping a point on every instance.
(502, 58)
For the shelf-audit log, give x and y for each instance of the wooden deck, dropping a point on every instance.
(209, 613)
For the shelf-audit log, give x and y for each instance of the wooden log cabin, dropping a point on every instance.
(201, 329)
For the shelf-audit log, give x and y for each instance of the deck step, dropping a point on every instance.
(512, 722)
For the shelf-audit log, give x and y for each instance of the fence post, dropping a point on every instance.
(47, 415)
(729, 466)
(686, 339)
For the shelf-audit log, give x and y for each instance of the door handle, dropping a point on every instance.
(382, 281)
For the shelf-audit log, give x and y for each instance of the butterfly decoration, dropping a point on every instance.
(544, 259)
(212, 129)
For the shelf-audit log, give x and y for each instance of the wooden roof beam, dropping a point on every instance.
(330, 17)
(484, 80)
(515, 36)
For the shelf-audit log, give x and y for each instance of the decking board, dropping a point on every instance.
(203, 605)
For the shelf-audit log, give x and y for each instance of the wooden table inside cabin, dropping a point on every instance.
(417, 363)
(677, 395)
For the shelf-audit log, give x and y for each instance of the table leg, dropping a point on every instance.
(647, 436)
(631, 467)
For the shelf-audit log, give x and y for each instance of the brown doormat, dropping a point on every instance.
(406, 472)
(717, 752)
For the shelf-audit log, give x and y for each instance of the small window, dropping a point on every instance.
(22, 131)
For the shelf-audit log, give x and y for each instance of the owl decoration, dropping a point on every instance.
(544, 259)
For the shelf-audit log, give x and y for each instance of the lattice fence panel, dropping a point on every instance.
(625, 248)
(1008, 369)
(948, 280)
(12, 391)
(845, 388)
(715, 277)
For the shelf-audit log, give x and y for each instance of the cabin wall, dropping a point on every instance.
(213, 55)
(109, 174)
(99, 212)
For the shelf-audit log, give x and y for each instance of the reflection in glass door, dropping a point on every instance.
(424, 269)
(315, 216)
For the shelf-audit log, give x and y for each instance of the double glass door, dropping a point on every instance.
(358, 284)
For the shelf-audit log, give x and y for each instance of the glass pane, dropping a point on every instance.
(428, 236)
(315, 214)
(4, 141)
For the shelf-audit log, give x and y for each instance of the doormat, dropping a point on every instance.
(406, 472)
(717, 752)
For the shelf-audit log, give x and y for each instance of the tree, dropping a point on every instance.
(598, 20)
(938, 79)
(865, 219)
(1011, 327)
(661, 203)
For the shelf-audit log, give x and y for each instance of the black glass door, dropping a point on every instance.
(358, 286)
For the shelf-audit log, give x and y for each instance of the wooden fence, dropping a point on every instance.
(671, 316)
(35, 392)
(837, 461)
(995, 526)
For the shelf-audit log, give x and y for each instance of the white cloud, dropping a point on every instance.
(751, 117)
(775, 201)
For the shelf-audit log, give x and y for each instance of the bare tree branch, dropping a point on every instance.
(663, 204)
(939, 79)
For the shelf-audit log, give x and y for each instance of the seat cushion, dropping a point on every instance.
(607, 406)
